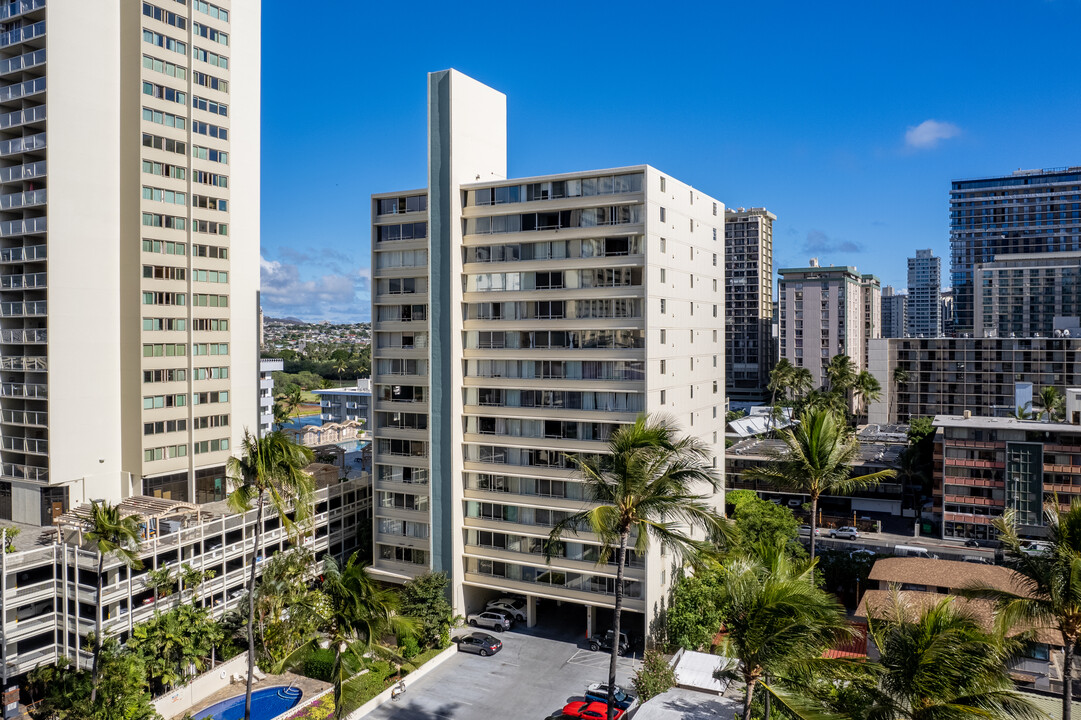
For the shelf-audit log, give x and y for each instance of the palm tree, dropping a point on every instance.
(272, 469)
(645, 485)
(1051, 401)
(939, 663)
(112, 536)
(359, 614)
(900, 379)
(867, 389)
(780, 380)
(1048, 592)
(281, 414)
(840, 374)
(816, 461)
(1023, 412)
(802, 382)
(294, 399)
(776, 615)
(340, 367)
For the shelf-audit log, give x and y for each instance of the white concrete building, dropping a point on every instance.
(347, 403)
(516, 321)
(267, 368)
(129, 249)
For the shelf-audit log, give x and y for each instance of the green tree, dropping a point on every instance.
(161, 581)
(840, 374)
(761, 521)
(1048, 592)
(654, 677)
(867, 390)
(62, 692)
(271, 470)
(801, 383)
(816, 461)
(645, 485)
(780, 382)
(192, 578)
(174, 642)
(1024, 412)
(359, 614)
(1052, 401)
(935, 664)
(287, 608)
(776, 616)
(693, 617)
(115, 536)
(425, 599)
(735, 498)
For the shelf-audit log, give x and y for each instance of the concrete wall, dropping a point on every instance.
(178, 701)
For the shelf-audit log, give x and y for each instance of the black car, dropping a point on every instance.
(479, 643)
(603, 641)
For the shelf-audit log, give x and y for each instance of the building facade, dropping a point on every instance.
(947, 376)
(348, 403)
(924, 305)
(748, 289)
(267, 368)
(1021, 295)
(827, 311)
(1025, 212)
(144, 279)
(894, 313)
(510, 330)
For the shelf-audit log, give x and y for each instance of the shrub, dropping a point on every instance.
(654, 677)
(320, 665)
(410, 648)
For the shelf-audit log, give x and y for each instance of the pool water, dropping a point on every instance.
(266, 704)
(353, 445)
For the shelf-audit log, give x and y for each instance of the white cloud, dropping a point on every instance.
(929, 133)
(338, 297)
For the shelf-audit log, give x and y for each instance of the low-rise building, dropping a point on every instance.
(267, 368)
(924, 582)
(339, 405)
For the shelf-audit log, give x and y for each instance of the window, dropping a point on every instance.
(163, 247)
(663, 365)
(163, 143)
(210, 9)
(210, 227)
(210, 421)
(202, 153)
(165, 42)
(209, 81)
(662, 275)
(210, 106)
(163, 221)
(165, 350)
(663, 244)
(213, 276)
(163, 92)
(210, 324)
(200, 300)
(714, 391)
(662, 336)
(714, 239)
(714, 208)
(155, 402)
(169, 18)
(209, 203)
(164, 118)
(165, 426)
(168, 375)
(207, 178)
(210, 251)
(691, 221)
(167, 196)
(662, 397)
(210, 349)
(210, 33)
(207, 446)
(662, 188)
(204, 398)
(663, 215)
(165, 67)
(663, 306)
(714, 311)
(164, 298)
(211, 58)
(210, 130)
(715, 257)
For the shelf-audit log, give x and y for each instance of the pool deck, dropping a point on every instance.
(309, 686)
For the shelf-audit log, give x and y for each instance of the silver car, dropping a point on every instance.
(490, 619)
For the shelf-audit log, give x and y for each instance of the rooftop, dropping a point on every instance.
(1003, 423)
(949, 574)
(871, 453)
(680, 704)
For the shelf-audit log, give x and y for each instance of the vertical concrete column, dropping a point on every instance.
(591, 620)
(530, 611)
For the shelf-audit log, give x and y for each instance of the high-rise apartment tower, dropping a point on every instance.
(520, 321)
(924, 304)
(894, 312)
(129, 249)
(748, 290)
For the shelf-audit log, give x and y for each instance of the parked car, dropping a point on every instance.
(806, 530)
(847, 532)
(514, 607)
(490, 619)
(603, 641)
(598, 692)
(588, 710)
(480, 643)
(794, 503)
(1035, 547)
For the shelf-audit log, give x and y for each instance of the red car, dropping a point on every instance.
(589, 710)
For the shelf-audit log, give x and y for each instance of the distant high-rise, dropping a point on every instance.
(894, 312)
(1021, 295)
(1028, 211)
(827, 311)
(924, 284)
(748, 289)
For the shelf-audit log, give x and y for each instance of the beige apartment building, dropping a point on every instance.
(127, 296)
(517, 321)
(827, 311)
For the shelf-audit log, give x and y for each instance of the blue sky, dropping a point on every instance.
(847, 120)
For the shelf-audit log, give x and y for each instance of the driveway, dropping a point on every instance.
(536, 673)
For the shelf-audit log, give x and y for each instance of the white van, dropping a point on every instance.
(913, 551)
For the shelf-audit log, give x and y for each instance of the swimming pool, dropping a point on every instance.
(266, 704)
(353, 445)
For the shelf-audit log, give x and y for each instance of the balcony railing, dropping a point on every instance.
(30, 363)
(22, 62)
(26, 445)
(16, 471)
(22, 337)
(18, 35)
(23, 254)
(24, 390)
(30, 198)
(22, 117)
(10, 9)
(23, 89)
(23, 144)
(25, 417)
(17, 173)
(23, 309)
(28, 281)
(30, 226)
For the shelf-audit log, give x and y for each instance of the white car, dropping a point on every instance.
(847, 532)
(514, 607)
(806, 531)
(492, 619)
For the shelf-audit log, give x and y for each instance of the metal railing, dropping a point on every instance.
(23, 309)
(18, 35)
(29, 198)
(21, 117)
(18, 7)
(26, 281)
(23, 89)
(24, 390)
(23, 144)
(26, 445)
(29, 171)
(25, 417)
(29, 226)
(16, 471)
(24, 362)
(24, 336)
(22, 62)
(23, 254)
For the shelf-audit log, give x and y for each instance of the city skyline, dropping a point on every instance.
(855, 158)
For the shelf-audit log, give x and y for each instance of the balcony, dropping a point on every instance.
(24, 417)
(30, 226)
(25, 445)
(15, 471)
(25, 363)
(28, 281)
(23, 254)
(19, 7)
(15, 201)
(23, 34)
(23, 337)
(33, 391)
(23, 309)
(22, 62)
(18, 173)
(22, 117)
(23, 144)
(22, 90)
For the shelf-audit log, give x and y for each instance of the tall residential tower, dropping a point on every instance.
(924, 304)
(128, 295)
(748, 301)
(517, 321)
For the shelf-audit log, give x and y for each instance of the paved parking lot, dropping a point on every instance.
(536, 673)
